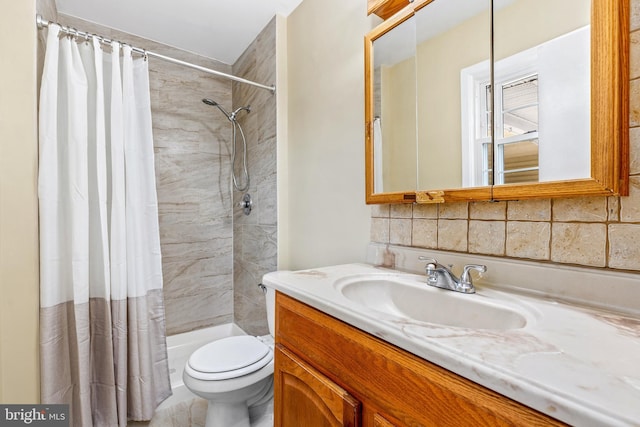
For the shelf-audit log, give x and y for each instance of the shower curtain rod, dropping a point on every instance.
(43, 23)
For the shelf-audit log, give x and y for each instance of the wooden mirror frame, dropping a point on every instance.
(609, 119)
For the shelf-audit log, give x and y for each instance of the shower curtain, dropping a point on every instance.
(102, 330)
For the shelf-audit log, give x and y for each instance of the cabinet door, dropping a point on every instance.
(380, 421)
(305, 397)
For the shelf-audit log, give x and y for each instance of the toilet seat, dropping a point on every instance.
(228, 358)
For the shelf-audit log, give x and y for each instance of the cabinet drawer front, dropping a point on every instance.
(408, 390)
(305, 397)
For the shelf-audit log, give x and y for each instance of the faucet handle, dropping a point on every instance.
(430, 268)
(465, 279)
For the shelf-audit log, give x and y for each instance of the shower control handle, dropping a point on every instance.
(246, 204)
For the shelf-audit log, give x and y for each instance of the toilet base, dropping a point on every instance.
(227, 415)
(232, 409)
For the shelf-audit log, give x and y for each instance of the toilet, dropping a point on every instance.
(234, 373)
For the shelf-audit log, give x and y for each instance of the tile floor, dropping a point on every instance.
(192, 413)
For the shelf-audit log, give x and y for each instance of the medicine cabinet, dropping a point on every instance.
(497, 100)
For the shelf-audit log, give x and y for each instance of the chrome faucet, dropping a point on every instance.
(441, 276)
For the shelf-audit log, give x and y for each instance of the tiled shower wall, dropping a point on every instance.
(594, 232)
(254, 236)
(192, 146)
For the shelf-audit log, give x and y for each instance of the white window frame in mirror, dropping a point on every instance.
(573, 163)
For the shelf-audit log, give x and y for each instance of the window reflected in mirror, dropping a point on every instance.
(542, 56)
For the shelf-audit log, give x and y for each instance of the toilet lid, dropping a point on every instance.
(228, 354)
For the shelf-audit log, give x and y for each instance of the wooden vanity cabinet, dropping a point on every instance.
(328, 373)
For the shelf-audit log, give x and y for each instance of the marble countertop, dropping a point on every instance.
(578, 364)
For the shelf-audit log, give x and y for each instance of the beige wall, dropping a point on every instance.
(328, 219)
(19, 369)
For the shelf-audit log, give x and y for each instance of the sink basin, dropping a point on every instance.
(413, 300)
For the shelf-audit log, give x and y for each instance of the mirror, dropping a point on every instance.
(526, 114)
(541, 90)
(453, 35)
(394, 98)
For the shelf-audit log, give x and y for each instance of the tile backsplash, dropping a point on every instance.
(589, 231)
(583, 231)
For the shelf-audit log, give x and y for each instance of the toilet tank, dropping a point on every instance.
(270, 299)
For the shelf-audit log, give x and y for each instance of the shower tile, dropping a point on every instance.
(250, 123)
(260, 246)
(263, 158)
(267, 202)
(189, 276)
(267, 117)
(255, 235)
(47, 9)
(207, 307)
(249, 302)
(206, 248)
(216, 233)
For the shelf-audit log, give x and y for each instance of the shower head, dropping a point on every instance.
(215, 104)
